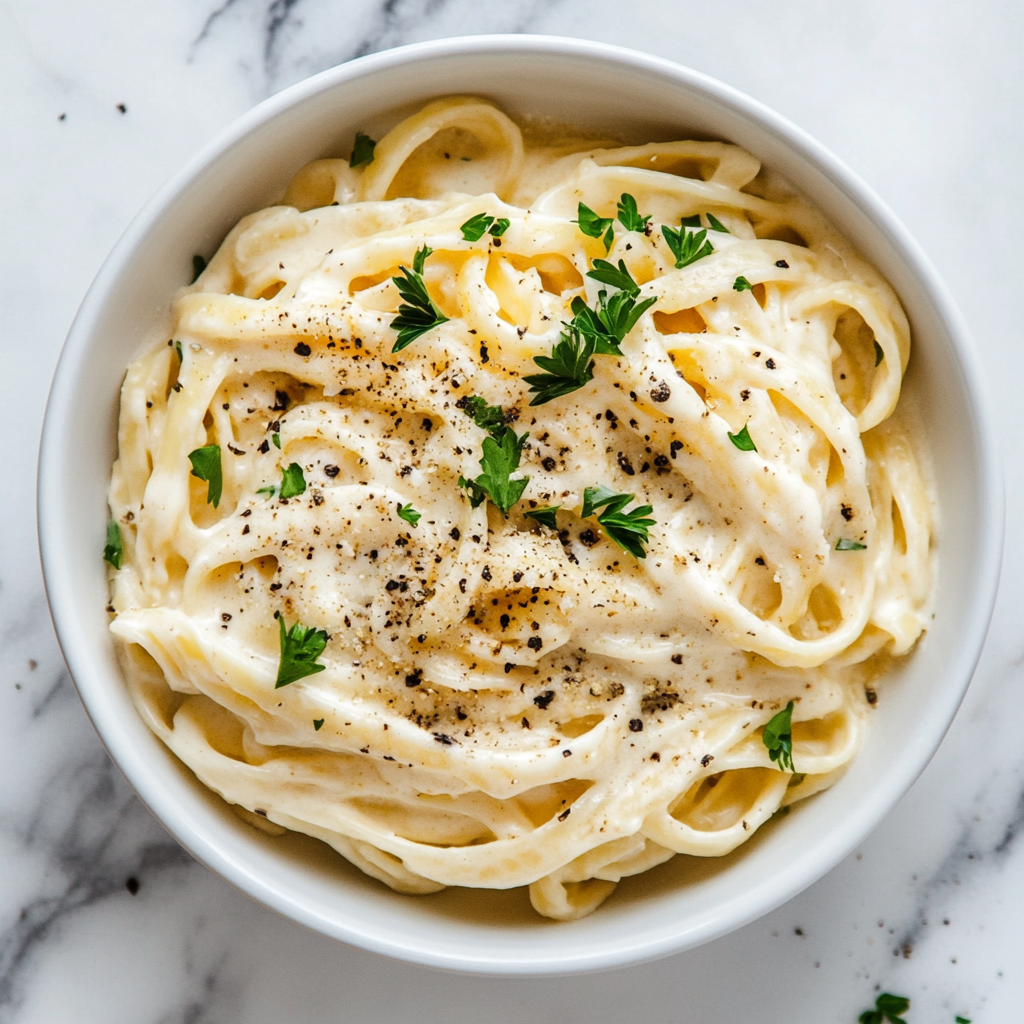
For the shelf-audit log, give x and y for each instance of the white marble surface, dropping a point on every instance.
(922, 97)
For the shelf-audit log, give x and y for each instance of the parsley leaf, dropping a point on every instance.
(417, 314)
(198, 266)
(409, 514)
(879, 354)
(716, 224)
(591, 332)
(362, 150)
(546, 516)
(743, 440)
(594, 226)
(962, 1020)
(206, 466)
(629, 215)
(887, 1008)
(476, 227)
(499, 461)
(687, 246)
(690, 222)
(300, 647)
(276, 438)
(627, 529)
(613, 319)
(569, 367)
(741, 284)
(181, 354)
(618, 277)
(317, 724)
(113, 552)
(849, 545)
(293, 483)
(487, 417)
(499, 227)
(778, 738)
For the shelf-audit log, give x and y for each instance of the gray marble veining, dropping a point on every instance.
(102, 917)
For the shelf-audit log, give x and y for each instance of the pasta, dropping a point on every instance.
(370, 593)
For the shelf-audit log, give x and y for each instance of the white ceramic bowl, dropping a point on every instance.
(687, 901)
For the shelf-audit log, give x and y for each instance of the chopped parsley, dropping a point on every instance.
(778, 738)
(741, 284)
(318, 724)
(546, 516)
(276, 438)
(743, 440)
(849, 545)
(487, 417)
(293, 483)
(596, 227)
(887, 1008)
(198, 266)
(409, 514)
(629, 215)
(476, 227)
(569, 367)
(687, 246)
(691, 222)
(962, 1020)
(627, 529)
(591, 332)
(417, 314)
(362, 150)
(618, 277)
(483, 223)
(113, 551)
(180, 352)
(300, 647)
(613, 318)
(716, 224)
(206, 466)
(879, 354)
(499, 461)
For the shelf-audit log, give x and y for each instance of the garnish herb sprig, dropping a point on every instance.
(362, 150)
(592, 331)
(206, 466)
(293, 483)
(491, 418)
(849, 545)
(629, 215)
(483, 223)
(113, 550)
(741, 284)
(887, 1008)
(417, 314)
(409, 514)
(687, 246)
(569, 367)
(778, 738)
(546, 516)
(499, 461)
(596, 227)
(300, 647)
(627, 529)
(743, 440)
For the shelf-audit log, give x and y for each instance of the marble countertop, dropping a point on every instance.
(102, 917)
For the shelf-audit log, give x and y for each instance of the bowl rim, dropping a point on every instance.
(635, 949)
